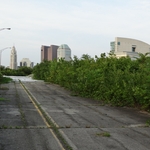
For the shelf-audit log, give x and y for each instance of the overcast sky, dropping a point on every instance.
(86, 26)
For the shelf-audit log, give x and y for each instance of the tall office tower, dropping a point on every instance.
(44, 52)
(13, 58)
(52, 52)
(64, 52)
(49, 52)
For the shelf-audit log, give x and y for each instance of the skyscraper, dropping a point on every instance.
(49, 52)
(13, 58)
(64, 52)
(44, 52)
(52, 52)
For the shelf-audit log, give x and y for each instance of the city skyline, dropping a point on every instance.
(87, 26)
(53, 52)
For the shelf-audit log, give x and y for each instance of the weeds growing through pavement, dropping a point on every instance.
(104, 134)
(20, 109)
(3, 99)
(148, 123)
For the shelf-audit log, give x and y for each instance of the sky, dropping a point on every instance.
(86, 26)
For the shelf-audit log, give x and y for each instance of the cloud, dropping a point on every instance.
(89, 17)
(86, 22)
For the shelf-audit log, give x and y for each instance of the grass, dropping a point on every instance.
(104, 134)
(10, 127)
(18, 127)
(3, 99)
(20, 109)
(5, 80)
(148, 123)
(3, 127)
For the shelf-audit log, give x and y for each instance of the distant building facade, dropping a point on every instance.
(64, 52)
(44, 52)
(26, 62)
(13, 58)
(123, 47)
(49, 52)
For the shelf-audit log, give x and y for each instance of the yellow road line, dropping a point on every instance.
(43, 118)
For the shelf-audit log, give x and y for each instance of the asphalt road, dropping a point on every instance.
(39, 116)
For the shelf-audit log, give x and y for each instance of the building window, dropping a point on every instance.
(112, 46)
(133, 49)
(118, 43)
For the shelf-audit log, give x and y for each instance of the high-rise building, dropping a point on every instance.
(44, 52)
(64, 52)
(52, 52)
(13, 58)
(26, 62)
(49, 52)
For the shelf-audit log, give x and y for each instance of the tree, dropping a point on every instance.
(142, 57)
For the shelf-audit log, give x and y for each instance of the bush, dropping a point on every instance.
(120, 82)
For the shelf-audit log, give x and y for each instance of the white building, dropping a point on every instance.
(64, 52)
(123, 47)
(26, 62)
(13, 58)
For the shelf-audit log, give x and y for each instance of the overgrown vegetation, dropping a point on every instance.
(4, 79)
(2, 99)
(119, 82)
(148, 123)
(22, 71)
(104, 134)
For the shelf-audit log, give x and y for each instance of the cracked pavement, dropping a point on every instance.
(85, 124)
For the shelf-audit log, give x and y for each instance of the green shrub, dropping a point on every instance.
(120, 82)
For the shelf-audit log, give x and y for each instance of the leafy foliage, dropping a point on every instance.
(5, 80)
(22, 71)
(119, 82)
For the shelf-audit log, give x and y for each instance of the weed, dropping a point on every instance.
(104, 134)
(2, 99)
(20, 109)
(148, 123)
(4, 127)
(18, 127)
(5, 80)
